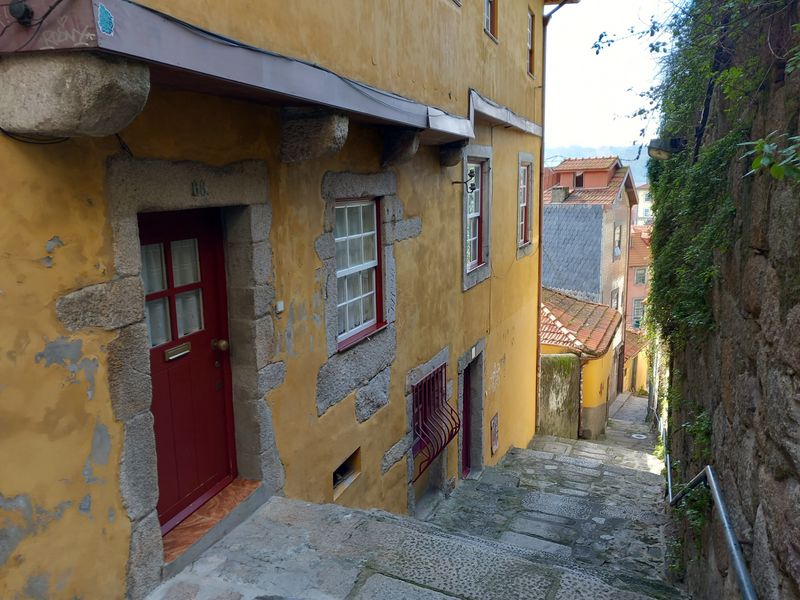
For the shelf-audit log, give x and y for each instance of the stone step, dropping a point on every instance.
(290, 550)
(610, 453)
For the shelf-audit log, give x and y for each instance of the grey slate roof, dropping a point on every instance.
(572, 244)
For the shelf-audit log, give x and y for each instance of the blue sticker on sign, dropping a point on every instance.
(105, 20)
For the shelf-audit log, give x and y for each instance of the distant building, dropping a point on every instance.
(594, 333)
(638, 274)
(644, 210)
(587, 218)
(636, 362)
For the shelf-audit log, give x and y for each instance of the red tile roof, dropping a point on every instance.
(600, 163)
(639, 255)
(634, 342)
(585, 327)
(605, 195)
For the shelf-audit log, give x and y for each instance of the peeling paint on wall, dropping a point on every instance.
(38, 587)
(86, 505)
(50, 247)
(98, 455)
(69, 354)
(19, 518)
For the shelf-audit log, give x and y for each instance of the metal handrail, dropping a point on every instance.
(708, 477)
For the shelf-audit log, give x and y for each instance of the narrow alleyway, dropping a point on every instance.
(563, 519)
(596, 503)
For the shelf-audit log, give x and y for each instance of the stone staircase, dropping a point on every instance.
(290, 550)
(561, 520)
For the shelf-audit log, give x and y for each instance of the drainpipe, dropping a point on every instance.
(545, 21)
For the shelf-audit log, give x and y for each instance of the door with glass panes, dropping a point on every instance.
(185, 309)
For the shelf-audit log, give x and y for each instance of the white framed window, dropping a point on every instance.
(473, 236)
(638, 312)
(640, 276)
(524, 204)
(530, 42)
(490, 17)
(615, 299)
(617, 250)
(358, 270)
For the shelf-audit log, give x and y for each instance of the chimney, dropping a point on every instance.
(558, 194)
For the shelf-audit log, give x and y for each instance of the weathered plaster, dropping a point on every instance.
(69, 354)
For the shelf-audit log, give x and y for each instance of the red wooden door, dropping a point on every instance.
(186, 312)
(466, 424)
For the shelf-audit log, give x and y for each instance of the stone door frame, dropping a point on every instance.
(145, 185)
(475, 355)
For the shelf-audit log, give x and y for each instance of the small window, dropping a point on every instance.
(473, 236)
(531, 23)
(640, 276)
(358, 270)
(638, 312)
(346, 473)
(617, 250)
(524, 205)
(615, 299)
(579, 180)
(490, 17)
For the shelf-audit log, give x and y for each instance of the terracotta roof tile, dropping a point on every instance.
(605, 195)
(582, 326)
(634, 342)
(639, 255)
(600, 163)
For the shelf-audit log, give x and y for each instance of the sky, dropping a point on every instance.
(590, 97)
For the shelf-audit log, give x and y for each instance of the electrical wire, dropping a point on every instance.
(39, 24)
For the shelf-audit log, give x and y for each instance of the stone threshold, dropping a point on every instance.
(210, 523)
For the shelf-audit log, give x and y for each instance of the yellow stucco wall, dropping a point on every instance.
(432, 51)
(596, 375)
(640, 383)
(70, 531)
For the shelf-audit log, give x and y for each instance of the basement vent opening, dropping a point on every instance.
(346, 473)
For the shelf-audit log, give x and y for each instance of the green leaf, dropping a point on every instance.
(778, 172)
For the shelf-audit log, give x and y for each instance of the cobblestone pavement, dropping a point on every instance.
(597, 503)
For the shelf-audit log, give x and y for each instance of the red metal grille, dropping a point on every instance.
(435, 421)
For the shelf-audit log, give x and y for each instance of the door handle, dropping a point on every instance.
(221, 345)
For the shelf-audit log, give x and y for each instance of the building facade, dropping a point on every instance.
(638, 275)
(256, 246)
(644, 210)
(594, 333)
(586, 226)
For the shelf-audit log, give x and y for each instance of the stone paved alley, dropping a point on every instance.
(562, 519)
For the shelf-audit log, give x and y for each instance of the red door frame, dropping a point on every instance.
(205, 224)
(466, 423)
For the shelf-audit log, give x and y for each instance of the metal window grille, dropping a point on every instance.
(436, 423)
